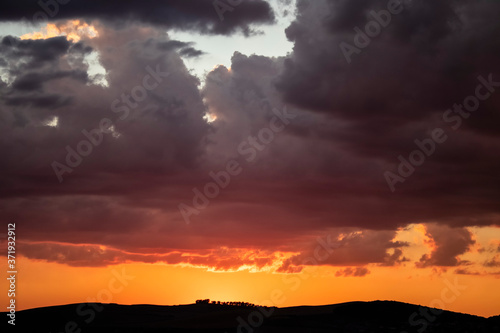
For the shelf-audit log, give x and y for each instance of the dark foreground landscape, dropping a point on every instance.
(378, 316)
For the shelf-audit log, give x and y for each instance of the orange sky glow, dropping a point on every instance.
(45, 283)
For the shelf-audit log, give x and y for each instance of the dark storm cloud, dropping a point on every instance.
(34, 81)
(322, 175)
(191, 52)
(426, 59)
(422, 52)
(37, 53)
(198, 15)
(184, 48)
(32, 64)
(38, 101)
(397, 89)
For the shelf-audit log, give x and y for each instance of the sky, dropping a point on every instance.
(281, 153)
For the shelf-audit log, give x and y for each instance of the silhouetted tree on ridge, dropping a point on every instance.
(240, 304)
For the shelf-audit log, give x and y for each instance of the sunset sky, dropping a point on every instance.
(276, 152)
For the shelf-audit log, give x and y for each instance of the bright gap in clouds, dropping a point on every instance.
(53, 122)
(270, 42)
(96, 71)
(209, 118)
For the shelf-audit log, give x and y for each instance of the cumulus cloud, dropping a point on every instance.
(55, 83)
(448, 244)
(344, 247)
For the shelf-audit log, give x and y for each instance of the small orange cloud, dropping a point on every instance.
(74, 31)
(353, 271)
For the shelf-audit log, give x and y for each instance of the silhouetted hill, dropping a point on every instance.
(377, 316)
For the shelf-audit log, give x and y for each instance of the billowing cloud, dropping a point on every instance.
(55, 83)
(448, 244)
(349, 248)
